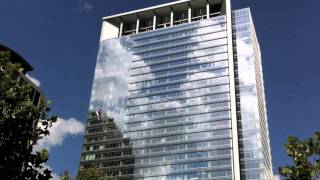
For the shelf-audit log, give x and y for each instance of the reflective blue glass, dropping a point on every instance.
(253, 134)
(168, 92)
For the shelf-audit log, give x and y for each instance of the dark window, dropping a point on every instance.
(36, 98)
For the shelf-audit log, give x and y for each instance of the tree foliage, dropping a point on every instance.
(305, 155)
(64, 176)
(91, 173)
(19, 130)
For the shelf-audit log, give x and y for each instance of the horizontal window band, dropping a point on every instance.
(146, 117)
(179, 52)
(181, 98)
(175, 90)
(195, 160)
(227, 135)
(190, 172)
(188, 142)
(215, 73)
(183, 82)
(178, 95)
(186, 151)
(166, 43)
(176, 116)
(190, 42)
(170, 60)
(157, 74)
(188, 72)
(182, 107)
(208, 120)
(184, 132)
(194, 105)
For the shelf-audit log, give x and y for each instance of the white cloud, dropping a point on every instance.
(34, 80)
(59, 131)
(110, 90)
(84, 7)
(54, 176)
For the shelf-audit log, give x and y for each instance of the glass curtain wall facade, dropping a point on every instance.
(252, 119)
(169, 91)
(105, 147)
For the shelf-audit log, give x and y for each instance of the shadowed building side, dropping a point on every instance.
(105, 147)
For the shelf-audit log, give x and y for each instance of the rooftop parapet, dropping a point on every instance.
(162, 16)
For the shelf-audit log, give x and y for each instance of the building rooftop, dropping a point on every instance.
(161, 16)
(163, 8)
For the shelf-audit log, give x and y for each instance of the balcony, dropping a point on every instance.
(164, 16)
(129, 32)
(181, 21)
(145, 29)
(198, 18)
(164, 25)
(214, 14)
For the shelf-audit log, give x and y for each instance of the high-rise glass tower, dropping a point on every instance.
(183, 84)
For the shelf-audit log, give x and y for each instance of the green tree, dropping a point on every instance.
(18, 125)
(91, 173)
(305, 156)
(65, 176)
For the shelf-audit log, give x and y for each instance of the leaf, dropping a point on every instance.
(305, 158)
(17, 118)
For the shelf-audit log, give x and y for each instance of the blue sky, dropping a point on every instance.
(60, 39)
